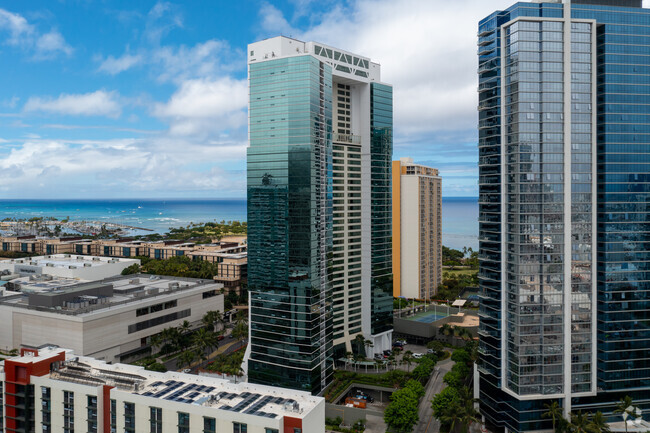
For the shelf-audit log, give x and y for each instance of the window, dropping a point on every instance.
(68, 412)
(183, 422)
(209, 425)
(129, 417)
(155, 419)
(239, 428)
(46, 404)
(92, 413)
(271, 430)
(113, 416)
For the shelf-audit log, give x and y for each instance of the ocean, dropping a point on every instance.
(459, 214)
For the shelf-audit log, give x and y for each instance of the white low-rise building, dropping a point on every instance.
(68, 266)
(111, 319)
(54, 391)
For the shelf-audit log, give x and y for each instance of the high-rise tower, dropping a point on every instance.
(417, 232)
(319, 222)
(564, 153)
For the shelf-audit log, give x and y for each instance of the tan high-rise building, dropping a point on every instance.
(417, 236)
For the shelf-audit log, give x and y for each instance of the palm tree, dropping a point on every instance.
(240, 331)
(359, 341)
(155, 342)
(184, 327)
(445, 329)
(408, 359)
(554, 411)
(580, 422)
(626, 408)
(452, 414)
(187, 358)
(205, 340)
(469, 415)
(599, 424)
(368, 344)
(349, 356)
(209, 319)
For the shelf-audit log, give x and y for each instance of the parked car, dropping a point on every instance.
(418, 355)
(431, 351)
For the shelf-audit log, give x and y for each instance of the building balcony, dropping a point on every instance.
(346, 138)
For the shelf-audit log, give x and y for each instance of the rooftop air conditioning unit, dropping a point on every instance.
(87, 265)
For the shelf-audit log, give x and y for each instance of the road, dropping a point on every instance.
(427, 423)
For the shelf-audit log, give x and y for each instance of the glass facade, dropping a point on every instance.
(564, 192)
(381, 154)
(290, 222)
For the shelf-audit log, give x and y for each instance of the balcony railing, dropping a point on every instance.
(346, 138)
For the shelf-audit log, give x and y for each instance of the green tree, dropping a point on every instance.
(599, 424)
(402, 412)
(443, 399)
(155, 342)
(187, 358)
(408, 359)
(626, 406)
(579, 422)
(205, 340)
(184, 327)
(553, 411)
(452, 415)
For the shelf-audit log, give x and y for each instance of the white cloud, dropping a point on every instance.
(201, 107)
(113, 66)
(203, 60)
(427, 50)
(274, 21)
(125, 167)
(50, 44)
(99, 103)
(26, 36)
(17, 26)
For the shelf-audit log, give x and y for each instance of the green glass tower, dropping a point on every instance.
(319, 211)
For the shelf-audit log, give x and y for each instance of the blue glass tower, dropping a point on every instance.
(564, 148)
(319, 210)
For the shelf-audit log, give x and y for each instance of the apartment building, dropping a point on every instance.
(52, 390)
(417, 230)
(319, 219)
(564, 157)
(230, 254)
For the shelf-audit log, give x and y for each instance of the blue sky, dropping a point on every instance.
(109, 99)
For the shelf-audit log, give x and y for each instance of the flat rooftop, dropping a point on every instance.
(74, 297)
(252, 399)
(69, 261)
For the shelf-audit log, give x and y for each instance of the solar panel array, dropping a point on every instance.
(251, 403)
(175, 391)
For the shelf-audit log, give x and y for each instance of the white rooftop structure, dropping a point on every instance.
(344, 63)
(68, 266)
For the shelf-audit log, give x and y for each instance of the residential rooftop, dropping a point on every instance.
(246, 398)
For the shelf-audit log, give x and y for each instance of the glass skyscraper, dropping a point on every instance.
(564, 184)
(319, 202)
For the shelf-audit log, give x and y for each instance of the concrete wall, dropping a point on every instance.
(103, 334)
